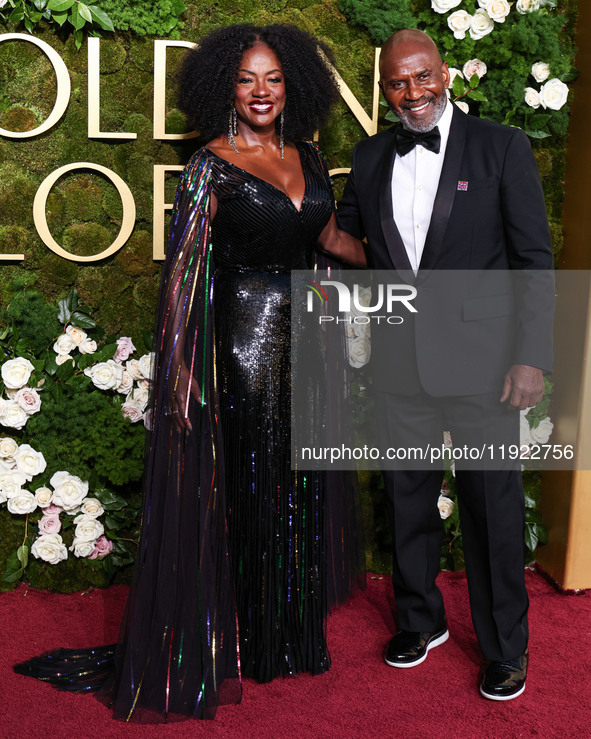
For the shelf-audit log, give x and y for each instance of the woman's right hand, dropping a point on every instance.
(179, 404)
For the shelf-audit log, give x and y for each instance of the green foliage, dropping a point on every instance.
(80, 16)
(159, 19)
(33, 318)
(86, 433)
(382, 18)
(535, 531)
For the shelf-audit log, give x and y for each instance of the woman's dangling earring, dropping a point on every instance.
(233, 129)
(281, 139)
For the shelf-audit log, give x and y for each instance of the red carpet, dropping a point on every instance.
(359, 697)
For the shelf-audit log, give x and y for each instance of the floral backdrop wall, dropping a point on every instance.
(75, 338)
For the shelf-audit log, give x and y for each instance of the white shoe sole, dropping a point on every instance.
(435, 643)
(490, 697)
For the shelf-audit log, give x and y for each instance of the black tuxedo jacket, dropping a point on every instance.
(489, 231)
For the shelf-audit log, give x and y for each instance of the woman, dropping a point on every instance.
(231, 574)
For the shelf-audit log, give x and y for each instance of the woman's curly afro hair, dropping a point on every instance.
(208, 77)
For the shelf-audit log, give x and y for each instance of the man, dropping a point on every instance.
(447, 191)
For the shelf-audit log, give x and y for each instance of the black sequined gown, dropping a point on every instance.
(275, 516)
(231, 574)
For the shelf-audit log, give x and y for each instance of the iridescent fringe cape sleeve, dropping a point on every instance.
(177, 654)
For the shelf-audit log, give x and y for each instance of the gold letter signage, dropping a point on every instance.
(63, 86)
(127, 223)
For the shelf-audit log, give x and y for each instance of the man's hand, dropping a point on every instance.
(523, 386)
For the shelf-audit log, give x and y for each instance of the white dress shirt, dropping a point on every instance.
(415, 179)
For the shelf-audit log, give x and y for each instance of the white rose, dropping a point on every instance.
(482, 24)
(445, 506)
(64, 344)
(50, 548)
(362, 329)
(88, 528)
(133, 410)
(7, 464)
(453, 73)
(146, 366)
(76, 334)
(8, 447)
(11, 482)
(63, 358)
(44, 497)
(498, 10)
(532, 97)
(16, 372)
(12, 415)
(29, 400)
(363, 300)
(29, 462)
(540, 71)
(442, 6)
(22, 503)
(527, 6)
(524, 434)
(553, 94)
(474, 66)
(92, 507)
(464, 107)
(359, 350)
(541, 433)
(459, 22)
(82, 548)
(105, 375)
(132, 366)
(126, 383)
(69, 490)
(87, 346)
(364, 296)
(148, 419)
(141, 394)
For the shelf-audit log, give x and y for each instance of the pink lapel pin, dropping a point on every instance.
(462, 184)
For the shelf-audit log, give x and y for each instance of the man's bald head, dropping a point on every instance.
(408, 39)
(413, 79)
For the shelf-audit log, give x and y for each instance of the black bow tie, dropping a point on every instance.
(407, 140)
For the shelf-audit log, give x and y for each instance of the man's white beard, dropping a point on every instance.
(424, 126)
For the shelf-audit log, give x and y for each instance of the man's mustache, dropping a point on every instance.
(417, 103)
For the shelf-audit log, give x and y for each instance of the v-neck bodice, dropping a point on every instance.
(257, 225)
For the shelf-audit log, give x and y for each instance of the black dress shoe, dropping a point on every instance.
(409, 648)
(504, 681)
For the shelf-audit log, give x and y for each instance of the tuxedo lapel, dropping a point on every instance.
(392, 236)
(446, 190)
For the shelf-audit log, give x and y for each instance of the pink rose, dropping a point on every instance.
(102, 547)
(29, 400)
(133, 410)
(53, 510)
(49, 524)
(125, 347)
